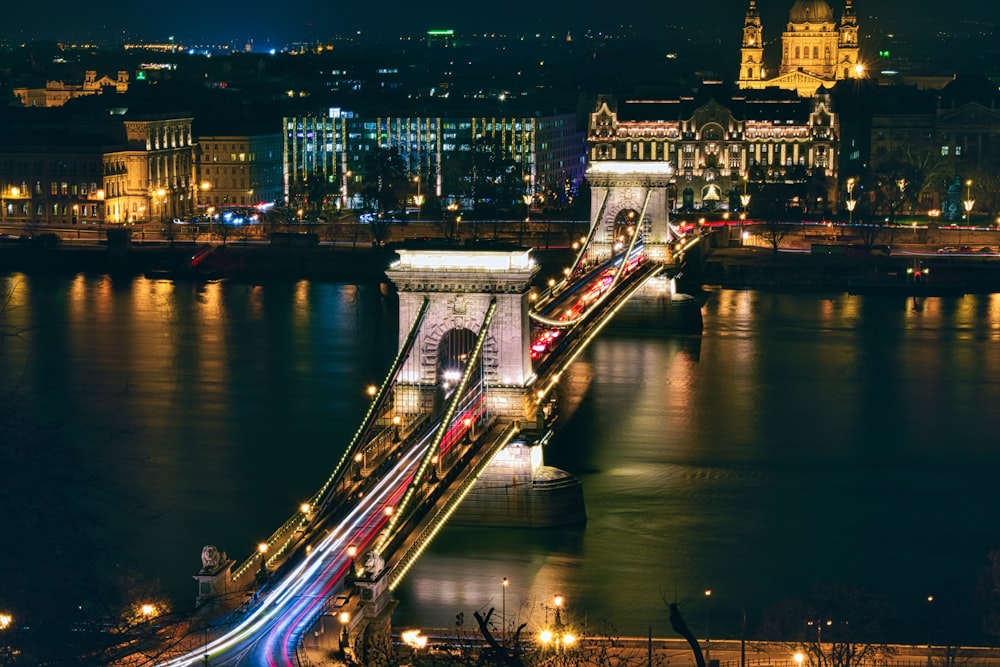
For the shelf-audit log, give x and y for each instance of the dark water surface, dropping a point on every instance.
(801, 439)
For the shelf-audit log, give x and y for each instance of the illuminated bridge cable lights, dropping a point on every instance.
(620, 301)
(550, 293)
(378, 401)
(621, 265)
(446, 424)
(438, 522)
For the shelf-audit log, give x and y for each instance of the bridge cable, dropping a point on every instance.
(456, 398)
(378, 401)
(550, 292)
(563, 324)
(595, 329)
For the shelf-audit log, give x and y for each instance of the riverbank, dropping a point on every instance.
(909, 274)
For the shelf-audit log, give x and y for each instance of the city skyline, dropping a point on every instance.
(269, 24)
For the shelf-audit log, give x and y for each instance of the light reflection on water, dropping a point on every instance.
(802, 438)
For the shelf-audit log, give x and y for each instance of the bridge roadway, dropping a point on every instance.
(271, 629)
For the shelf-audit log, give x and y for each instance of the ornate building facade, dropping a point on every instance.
(718, 150)
(816, 50)
(119, 169)
(57, 93)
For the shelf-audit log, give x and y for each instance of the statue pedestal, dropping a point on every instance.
(215, 582)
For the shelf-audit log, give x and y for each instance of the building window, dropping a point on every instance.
(944, 150)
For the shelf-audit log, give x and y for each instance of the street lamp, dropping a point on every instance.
(262, 572)
(343, 188)
(969, 202)
(526, 198)
(418, 200)
(344, 617)
(708, 620)
(851, 201)
(503, 611)
(161, 202)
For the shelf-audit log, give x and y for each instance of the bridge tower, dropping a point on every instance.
(460, 284)
(623, 192)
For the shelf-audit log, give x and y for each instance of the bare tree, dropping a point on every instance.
(837, 626)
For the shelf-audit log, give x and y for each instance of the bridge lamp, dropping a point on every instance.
(545, 636)
(798, 658)
(262, 550)
(372, 390)
(568, 639)
(147, 610)
(305, 508)
(552, 282)
(388, 510)
(5, 621)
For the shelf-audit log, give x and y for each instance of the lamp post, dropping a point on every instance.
(503, 611)
(708, 620)
(345, 638)
(969, 202)
(851, 201)
(343, 189)
(161, 203)
(527, 215)
(930, 602)
(418, 200)
(262, 572)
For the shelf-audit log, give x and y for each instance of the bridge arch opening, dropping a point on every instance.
(453, 351)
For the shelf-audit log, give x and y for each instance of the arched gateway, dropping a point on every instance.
(460, 285)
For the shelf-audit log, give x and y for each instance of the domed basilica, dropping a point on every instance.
(815, 50)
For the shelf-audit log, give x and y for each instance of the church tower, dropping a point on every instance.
(752, 50)
(816, 49)
(849, 66)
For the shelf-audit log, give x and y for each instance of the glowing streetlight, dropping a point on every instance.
(5, 621)
(798, 658)
(262, 550)
(708, 598)
(372, 390)
(343, 188)
(503, 609)
(851, 201)
(969, 201)
(418, 200)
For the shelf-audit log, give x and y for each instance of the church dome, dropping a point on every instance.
(810, 11)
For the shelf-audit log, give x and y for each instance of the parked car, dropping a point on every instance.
(947, 249)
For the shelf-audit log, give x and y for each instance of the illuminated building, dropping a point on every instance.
(239, 170)
(117, 168)
(717, 149)
(548, 150)
(57, 93)
(815, 50)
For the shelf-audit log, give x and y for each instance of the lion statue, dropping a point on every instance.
(374, 564)
(211, 558)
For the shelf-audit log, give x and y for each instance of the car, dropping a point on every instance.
(947, 249)
(985, 250)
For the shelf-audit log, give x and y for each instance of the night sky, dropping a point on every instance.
(278, 23)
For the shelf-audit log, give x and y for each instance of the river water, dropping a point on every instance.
(802, 438)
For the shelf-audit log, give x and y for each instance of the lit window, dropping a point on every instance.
(944, 150)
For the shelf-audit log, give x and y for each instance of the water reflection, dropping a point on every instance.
(802, 438)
